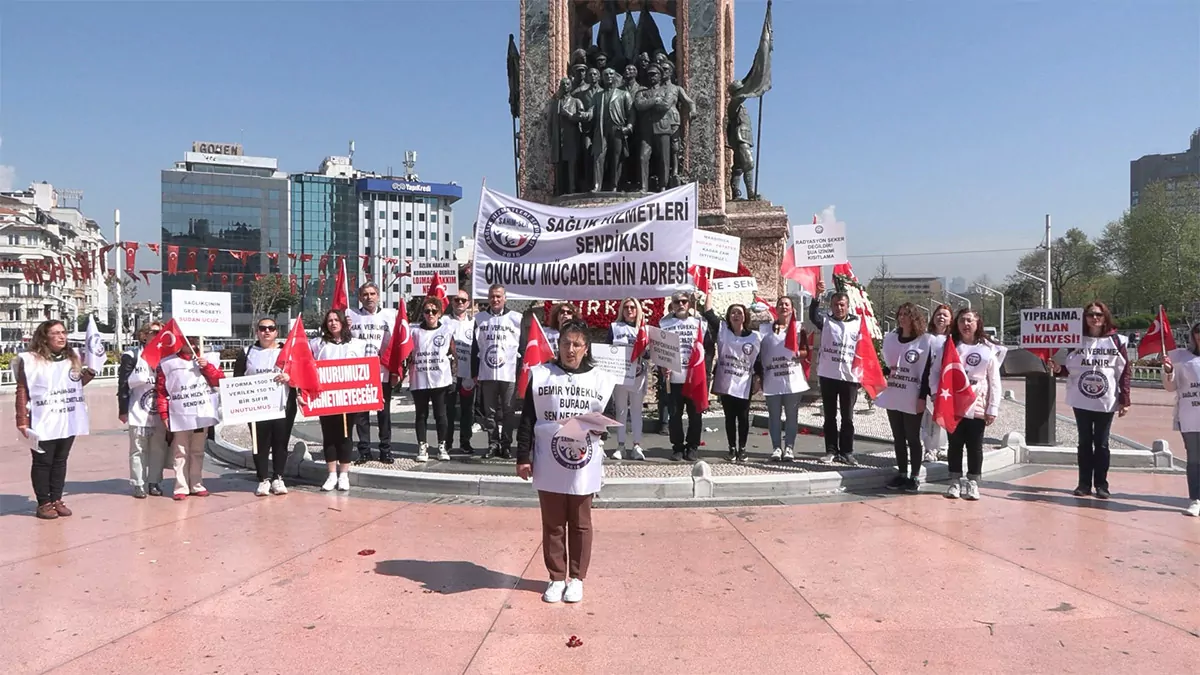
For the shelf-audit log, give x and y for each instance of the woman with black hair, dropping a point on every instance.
(1099, 379)
(431, 369)
(271, 450)
(906, 356)
(1181, 374)
(733, 373)
(783, 378)
(335, 342)
(51, 411)
(982, 369)
(567, 472)
(933, 437)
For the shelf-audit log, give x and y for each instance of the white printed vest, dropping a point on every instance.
(143, 400)
(375, 331)
(782, 372)
(734, 370)
(431, 356)
(626, 334)
(1094, 373)
(57, 408)
(562, 465)
(464, 333)
(686, 330)
(907, 363)
(977, 360)
(331, 351)
(1187, 390)
(191, 402)
(839, 340)
(499, 338)
(259, 361)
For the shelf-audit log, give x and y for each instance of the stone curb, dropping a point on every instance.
(1158, 457)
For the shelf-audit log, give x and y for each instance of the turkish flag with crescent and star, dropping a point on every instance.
(167, 342)
(172, 259)
(131, 249)
(954, 395)
(1158, 339)
(190, 264)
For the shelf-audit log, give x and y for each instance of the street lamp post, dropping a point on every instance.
(964, 299)
(118, 332)
(992, 291)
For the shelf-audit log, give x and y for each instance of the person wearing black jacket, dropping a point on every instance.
(137, 408)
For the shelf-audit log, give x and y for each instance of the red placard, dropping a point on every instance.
(347, 386)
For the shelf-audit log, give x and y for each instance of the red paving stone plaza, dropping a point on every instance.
(1027, 580)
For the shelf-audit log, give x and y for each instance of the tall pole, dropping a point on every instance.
(117, 325)
(1049, 245)
(758, 147)
(516, 153)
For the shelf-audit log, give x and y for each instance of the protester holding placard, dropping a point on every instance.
(1099, 379)
(431, 373)
(272, 436)
(372, 324)
(628, 401)
(137, 408)
(1181, 374)
(781, 363)
(933, 436)
(189, 403)
(495, 361)
(336, 342)
(567, 472)
(685, 324)
(460, 403)
(835, 371)
(733, 374)
(982, 370)
(51, 411)
(559, 314)
(906, 353)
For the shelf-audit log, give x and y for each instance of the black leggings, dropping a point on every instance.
(1094, 455)
(49, 471)
(969, 433)
(338, 445)
(273, 439)
(838, 396)
(737, 420)
(423, 398)
(906, 432)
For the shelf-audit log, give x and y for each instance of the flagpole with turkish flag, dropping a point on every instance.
(1158, 338)
(866, 363)
(400, 346)
(954, 395)
(537, 352)
(437, 289)
(341, 287)
(297, 361)
(168, 341)
(695, 386)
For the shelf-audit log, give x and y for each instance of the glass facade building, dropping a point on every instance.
(228, 203)
(324, 222)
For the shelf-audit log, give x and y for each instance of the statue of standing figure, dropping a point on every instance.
(658, 121)
(738, 137)
(567, 114)
(612, 123)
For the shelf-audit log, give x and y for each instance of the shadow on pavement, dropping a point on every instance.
(455, 576)
(1063, 497)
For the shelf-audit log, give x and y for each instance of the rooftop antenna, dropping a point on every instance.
(410, 162)
(351, 151)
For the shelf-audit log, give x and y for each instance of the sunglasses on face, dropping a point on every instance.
(266, 329)
(461, 299)
(431, 312)
(1094, 315)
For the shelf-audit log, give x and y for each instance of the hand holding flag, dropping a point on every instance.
(954, 395)
(297, 362)
(695, 386)
(537, 352)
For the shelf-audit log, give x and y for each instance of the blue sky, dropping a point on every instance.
(932, 126)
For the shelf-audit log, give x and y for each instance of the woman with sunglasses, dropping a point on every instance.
(138, 409)
(906, 358)
(272, 435)
(628, 401)
(734, 379)
(189, 403)
(933, 437)
(982, 369)
(559, 314)
(1181, 374)
(1099, 379)
(335, 342)
(431, 369)
(51, 411)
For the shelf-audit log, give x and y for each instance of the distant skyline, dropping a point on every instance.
(932, 126)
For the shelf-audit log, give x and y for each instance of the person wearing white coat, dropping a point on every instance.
(1181, 374)
(906, 357)
(982, 369)
(137, 408)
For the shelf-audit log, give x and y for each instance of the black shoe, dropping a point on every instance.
(505, 453)
(139, 492)
(689, 454)
(386, 458)
(847, 459)
(741, 456)
(493, 450)
(467, 450)
(364, 456)
(677, 456)
(896, 483)
(1082, 492)
(911, 486)
(155, 491)
(1102, 493)
(733, 454)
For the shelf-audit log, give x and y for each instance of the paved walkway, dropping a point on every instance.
(1027, 580)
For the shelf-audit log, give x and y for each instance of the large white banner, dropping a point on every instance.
(539, 252)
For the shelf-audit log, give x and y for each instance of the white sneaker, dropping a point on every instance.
(423, 453)
(776, 455)
(954, 490)
(330, 483)
(636, 453)
(574, 592)
(617, 454)
(554, 592)
(442, 454)
(1193, 509)
(788, 455)
(343, 481)
(264, 489)
(277, 487)
(972, 491)
(828, 458)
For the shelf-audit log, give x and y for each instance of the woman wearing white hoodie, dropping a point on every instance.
(982, 368)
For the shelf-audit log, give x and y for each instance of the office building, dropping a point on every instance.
(919, 288)
(324, 222)
(1177, 171)
(219, 198)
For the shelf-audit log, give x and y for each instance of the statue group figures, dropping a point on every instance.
(738, 137)
(613, 131)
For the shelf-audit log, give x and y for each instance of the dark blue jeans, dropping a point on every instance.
(1094, 456)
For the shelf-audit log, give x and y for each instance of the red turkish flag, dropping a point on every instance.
(131, 248)
(392, 359)
(190, 261)
(292, 282)
(770, 309)
(641, 342)
(1158, 339)
(172, 259)
(224, 279)
(341, 291)
(365, 260)
(537, 352)
(807, 277)
(292, 257)
(321, 285)
(242, 256)
(323, 262)
(153, 248)
(866, 363)
(239, 279)
(146, 274)
(437, 289)
(305, 257)
(695, 386)
(954, 396)
(212, 260)
(167, 342)
(792, 340)
(844, 270)
(700, 278)
(296, 360)
(258, 277)
(808, 356)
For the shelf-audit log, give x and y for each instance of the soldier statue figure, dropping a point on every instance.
(738, 136)
(612, 123)
(566, 136)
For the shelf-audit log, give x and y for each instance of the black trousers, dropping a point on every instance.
(384, 417)
(968, 434)
(435, 398)
(460, 410)
(1094, 456)
(838, 396)
(273, 438)
(336, 442)
(906, 430)
(49, 470)
(737, 420)
(679, 403)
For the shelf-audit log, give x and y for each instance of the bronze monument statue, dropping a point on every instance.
(612, 123)
(658, 120)
(567, 114)
(738, 137)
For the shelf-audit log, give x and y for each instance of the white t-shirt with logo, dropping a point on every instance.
(499, 339)
(563, 465)
(431, 368)
(1094, 374)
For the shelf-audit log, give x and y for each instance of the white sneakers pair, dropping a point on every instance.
(423, 453)
(564, 591)
(636, 453)
(785, 455)
(963, 487)
(271, 487)
(336, 480)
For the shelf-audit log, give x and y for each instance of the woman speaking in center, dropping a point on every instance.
(566, 473)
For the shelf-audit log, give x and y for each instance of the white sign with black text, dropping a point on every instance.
(715, 250)
(820, 244)
(665, 351)
(614, 360)
(1052, 328)
(252, 398)
(202, 313)
(423, 271)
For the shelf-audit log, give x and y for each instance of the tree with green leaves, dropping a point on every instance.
(271, 296)
(1076, 268)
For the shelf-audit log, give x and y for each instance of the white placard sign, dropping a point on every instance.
(633, 249)
(423, 270)
(252, 398)
(614, 360)
(820, 244)
(202, 313)
(715, 250)
(1051, 328)
(664, 349)
(734, 285)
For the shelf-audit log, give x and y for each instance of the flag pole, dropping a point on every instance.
(254, 438)
(1162, 336)
(516, 152)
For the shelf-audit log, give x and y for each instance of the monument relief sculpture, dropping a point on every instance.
(612, 123)
(658, 121)
(566, 136)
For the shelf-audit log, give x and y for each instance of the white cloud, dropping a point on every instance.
(8, 175)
